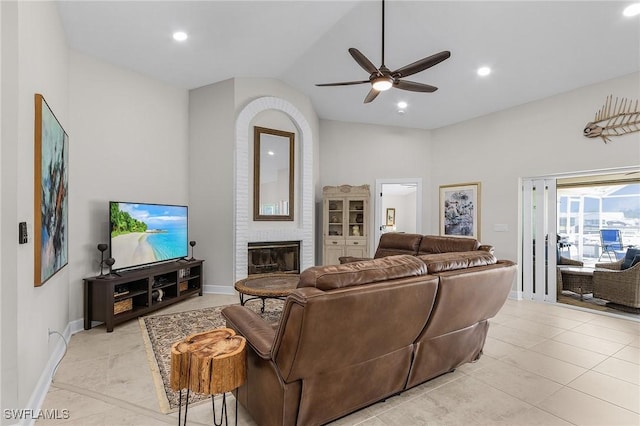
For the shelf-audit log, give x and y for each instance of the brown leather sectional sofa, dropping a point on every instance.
(394, 243)
(353, 334)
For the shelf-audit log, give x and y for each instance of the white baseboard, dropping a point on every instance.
(515, 295)
(219, 289)
(44, 382)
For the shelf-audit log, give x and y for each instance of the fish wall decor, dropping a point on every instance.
(614, 120)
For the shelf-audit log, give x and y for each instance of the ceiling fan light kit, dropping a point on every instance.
(381, 78)
(382, 83)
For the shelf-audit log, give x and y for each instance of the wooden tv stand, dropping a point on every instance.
(118, 298)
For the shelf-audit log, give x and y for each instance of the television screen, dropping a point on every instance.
(142, 233)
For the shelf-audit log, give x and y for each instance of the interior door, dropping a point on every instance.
(538, 259)
(398, 207)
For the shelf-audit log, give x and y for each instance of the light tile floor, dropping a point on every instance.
(543, 364)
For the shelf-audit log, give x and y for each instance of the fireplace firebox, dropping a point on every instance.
(274, 257)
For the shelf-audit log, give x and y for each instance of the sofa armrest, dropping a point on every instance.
(487, 247)
(258, 332)
(351, 259)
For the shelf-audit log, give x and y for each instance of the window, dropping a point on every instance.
(588, 204)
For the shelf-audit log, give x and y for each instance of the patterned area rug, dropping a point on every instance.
(161, 331)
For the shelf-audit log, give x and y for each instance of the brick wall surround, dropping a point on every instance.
(303, 213)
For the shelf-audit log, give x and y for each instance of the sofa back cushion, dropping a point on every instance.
(394, 243)
(325, 332)
(466, 297)
(432, 244)
(331, 277)
(442, 262)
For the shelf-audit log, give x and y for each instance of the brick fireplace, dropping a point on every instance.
(301, 229)
(273, 257)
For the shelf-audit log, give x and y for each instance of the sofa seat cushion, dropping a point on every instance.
(442, 262)
(432, 244)
(331, 277)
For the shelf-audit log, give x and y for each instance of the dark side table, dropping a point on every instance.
(265, 286)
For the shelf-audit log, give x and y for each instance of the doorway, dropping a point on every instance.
(562, 219)
(398, 207)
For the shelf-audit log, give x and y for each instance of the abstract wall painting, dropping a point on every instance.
(460, 210)
(51, 198)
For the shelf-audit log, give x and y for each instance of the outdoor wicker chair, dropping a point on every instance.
(617, 285)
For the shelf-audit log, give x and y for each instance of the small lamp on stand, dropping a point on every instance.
(102, 247)
(109, 262)
(192, 244)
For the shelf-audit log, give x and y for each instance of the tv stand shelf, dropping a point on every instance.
(119, 298)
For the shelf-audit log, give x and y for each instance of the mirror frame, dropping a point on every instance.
(257, 132)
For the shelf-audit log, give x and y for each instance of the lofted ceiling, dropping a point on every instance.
(535, 49)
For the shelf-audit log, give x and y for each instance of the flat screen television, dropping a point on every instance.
(143, 234)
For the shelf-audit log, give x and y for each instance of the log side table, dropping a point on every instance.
(266, 286)
(209, 363)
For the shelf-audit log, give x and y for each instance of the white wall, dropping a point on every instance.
(357, 154)
(405, 206)
(538, 138)
(9, 72)
(213, 113)
(34, 60)
(211, 174)
(128, 142)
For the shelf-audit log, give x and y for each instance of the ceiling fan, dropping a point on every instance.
(382, 78)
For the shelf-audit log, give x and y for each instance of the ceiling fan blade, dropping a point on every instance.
(363, 61)
(344, 83)
(412, 86)
(373, 93)
(422, 64)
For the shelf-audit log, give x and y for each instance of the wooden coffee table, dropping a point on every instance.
(266, 286)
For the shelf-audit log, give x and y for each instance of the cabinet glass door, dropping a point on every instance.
(335, 217)
(357, 224)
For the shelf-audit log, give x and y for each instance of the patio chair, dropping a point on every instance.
(619, 282)
(611, 242)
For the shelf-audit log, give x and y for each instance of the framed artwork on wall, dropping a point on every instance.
(460, 210)
(51, 185)
(391, 217)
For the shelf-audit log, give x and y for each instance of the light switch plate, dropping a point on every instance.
(500, 227)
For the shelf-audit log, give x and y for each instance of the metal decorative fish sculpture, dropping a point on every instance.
(623, 117)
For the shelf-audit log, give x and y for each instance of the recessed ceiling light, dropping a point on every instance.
(483, 71)
(270, 152)
(180, 36)
(632, 10)
(402, 105)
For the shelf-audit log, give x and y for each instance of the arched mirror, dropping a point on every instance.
(273, 174)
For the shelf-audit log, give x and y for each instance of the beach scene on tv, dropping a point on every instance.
(147, 233)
